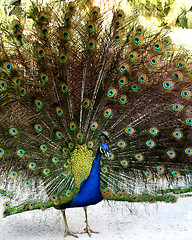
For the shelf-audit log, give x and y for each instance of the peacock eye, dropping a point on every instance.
(134, 88)
(122, 81)
(140, 29)
(46, 171)
(13, 175)
(189, 121)
(175, 173)
(188, 151)
(177, 107)
(3, 85)
(1, 152)
(124, 163)
(117, 38)
(13, 131)
(107, 113)
(55, 160)
(150, 143)
(43, 207)
(73, 126)
(171, 154)
(123, 67)
(63, 57)
(177, 134)
(167, 85)
(160, 169)
(186, 94)
(59, 111)
(94, 126)
(148, 174)
(27, 183)
(123, 99)
(95, 12)
(139, 157)
(136, 40)
(32, 165)
(153, 131)
(43, 148)
(7, 205)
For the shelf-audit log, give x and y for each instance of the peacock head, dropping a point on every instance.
(103, 149)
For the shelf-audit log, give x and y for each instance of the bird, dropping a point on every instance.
(93, 106)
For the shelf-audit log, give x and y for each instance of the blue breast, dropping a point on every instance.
(89, 192)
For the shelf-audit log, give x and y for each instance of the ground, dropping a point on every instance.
(162, 221)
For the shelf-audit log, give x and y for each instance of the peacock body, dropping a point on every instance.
(93, 107)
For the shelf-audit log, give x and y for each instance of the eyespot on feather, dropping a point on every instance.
(120, 14)
(157, 46)
(95, 12)
(86, 103)
(137, 40)
(94, 126)
(154, 61)
(43, 17)
(72, 7)
(8, 66)
(65, 34)
(59, 111)
(45, 30)
(73, 126)
(90, 26)
(188, 151)
(38, 104)
(44, 78)
(63, 57)
(123, 67)
(142, 78)
(140, 29)
(123, 99)
(107, 113)
(41, 52)
(68, 18)
(117, 37)
(186, 94)
(118, 22)
(122, 81)
(16, 25)
(112, 92)
(177, 75)
(79, 136)
(171, 154)
(132, 56)
(19, 36)
(92, 44)
(129, 130)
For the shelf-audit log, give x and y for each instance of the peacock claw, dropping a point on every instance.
(69, 233)
(88, 230)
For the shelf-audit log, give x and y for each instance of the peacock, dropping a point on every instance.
(93, 106)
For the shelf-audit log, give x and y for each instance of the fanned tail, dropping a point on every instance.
(80, 72)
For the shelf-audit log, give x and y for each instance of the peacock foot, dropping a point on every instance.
(88, 230)
(69, 233)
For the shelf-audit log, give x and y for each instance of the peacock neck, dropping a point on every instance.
(96, 166)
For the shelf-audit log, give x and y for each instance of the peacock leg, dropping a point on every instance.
(87, 229)
(67, 231)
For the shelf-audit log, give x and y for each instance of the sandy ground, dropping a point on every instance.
(162, 221)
